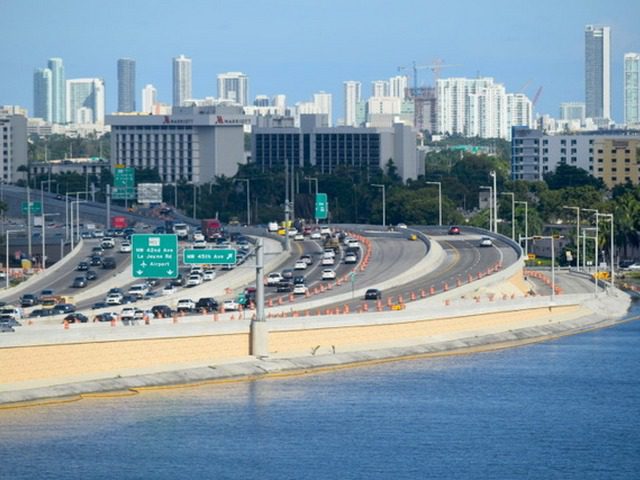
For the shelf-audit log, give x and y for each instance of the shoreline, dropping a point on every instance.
(254, 369)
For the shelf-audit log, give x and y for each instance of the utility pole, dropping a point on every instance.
(286, 204)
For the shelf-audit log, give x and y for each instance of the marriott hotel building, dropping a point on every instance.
(193, 143)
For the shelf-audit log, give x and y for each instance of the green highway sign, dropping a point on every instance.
(154, 256)
(222, 256)
(124, 184)
(322, 206)
(36, 208)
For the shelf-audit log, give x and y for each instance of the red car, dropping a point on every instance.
(454, 230)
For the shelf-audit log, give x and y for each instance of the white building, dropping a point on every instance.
(398, 86)
(519, 111)
(13, 143)
(632, 88)
(379, 88)
(85, 100)
(233, 86)
(352, 96)
(149, 98)
(321, 104)
(181, 80)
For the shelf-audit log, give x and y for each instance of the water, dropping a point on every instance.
(563, 409)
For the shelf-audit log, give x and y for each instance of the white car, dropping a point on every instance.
(353, 243)
(169, 289)
(125, 247)
(272, 227)
(634, 267)
(325, 230)
(107, 242)
(196, 269)
(139, 290)
(208, 275)
(327, 261)
(328, 253)
(127, 313)
(293, 232)
(300, 265)
(300, 289)
(350, 258)
(298, 237)
(185, 304)
(194, 280)
(316, 235)
(274, 278)
(114, 299)
(198, 237)
(231, 305)
(486, 242)
(401, 225)
(199, 244)
(328, 274)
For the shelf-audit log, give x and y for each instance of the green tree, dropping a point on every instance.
(570, 176)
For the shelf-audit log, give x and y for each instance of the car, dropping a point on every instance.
(129, 299)
(486, 242)
(29, 300)
(127, 314)
(413, 237)
(76, 317)
(64, 308)
(634, 267)
(353, 243)
(287, 274)
(298, 237)
(194, 280)
(152, 282)
(298, 279)
(284, 287)
(79, 282)
(328, 261)
(292, 232)
(107, 242)
(138, 290)
(90, 275)
(208, 275)
(125, 247)
(10, 311)
(185, 305)
(307, 259)
(272, 227)
(42, 312)
(199, 244)
(350, 258)
(325, 230)
(95, 261)
(105, 317)
(47, 292)
(86, 235)
(401, 225)
(231, 305)
(161, 311)
(300, 289)
(454, 230)
(373, 294)
(300, 265)
(274, 278)
(108, 263)
(179, 281)
(98, 305)
(196, 269)
(82, 266)
(316, 235)
(8, 321)
(328, 253)
(208, 303)
(114, 298)
(328, 274)
(142, 315)
(198, 237)
(98, 233)
(97, 250)
(169, 289)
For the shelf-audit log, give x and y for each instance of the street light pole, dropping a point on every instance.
(495, 201)
(248, 182)
(486, 187)
(44, 238)
(577, 209)
(29, 220)
(553, 261)
(513, 214)
(439, 200)
(7, 232)
(595, 261)
(610, 217)
(384, 203)
(526, 225)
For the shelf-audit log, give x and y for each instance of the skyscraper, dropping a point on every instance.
(398, 86)
(352, 95)
(42, 107)
(379, 88)
(181, 80)
(233, 86)
(149, 94)
(632, 88)
(126, 85)
(58, 91)
(597, 52)
(85, 100)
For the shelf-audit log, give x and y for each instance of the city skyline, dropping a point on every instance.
(523, 53)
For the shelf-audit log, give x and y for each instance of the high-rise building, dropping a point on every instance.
(398, 86)
(352, 96)
(379, 88)
(85, 100)
(632, 88)
(233, 86)
(597, 50)
(572, 111)
(58, 91)
(42, 107)
(261, 101)
(181, 80)
(149, 98)
(13, 146)
(126, 85)
(324, 104)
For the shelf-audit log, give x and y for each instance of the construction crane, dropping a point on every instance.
(436, 67)
(536, 97)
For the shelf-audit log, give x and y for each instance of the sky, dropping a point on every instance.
(299, 47)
